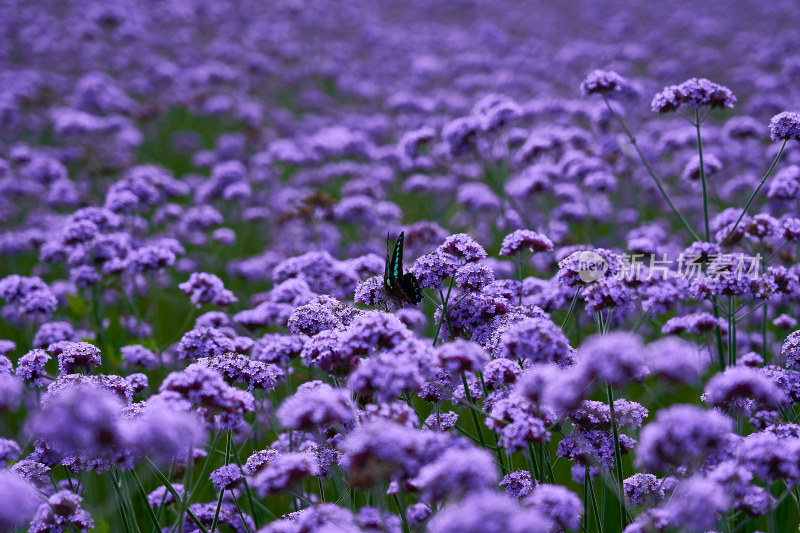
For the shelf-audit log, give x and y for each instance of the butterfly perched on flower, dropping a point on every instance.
(399, 287)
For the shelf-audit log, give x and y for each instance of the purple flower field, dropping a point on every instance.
(301, 266)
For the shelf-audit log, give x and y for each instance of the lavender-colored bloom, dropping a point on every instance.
(204, 342)
(238, 367)
(51, 332)
(207, 389)
(461, 356)
(385, 376)
(7, 347)
(203, 288)
(675, 359)
(372, 520)
(643, 489)
(417, 514)
(79, 420)
(61, 512)
(499, 373)
(433, 268)
(489, 512)
(259, 460)
(615, 358)
(19, 498)
(136, 354)
(696, 504)
(790, 350)
(785, 126)
(681, 435)
(538, 340)
(370, 292)
(559, 504)
(138, 382)
(230, 515)
(278, 349)
(10, 392)
(312, 407)
(580, 266)
(34, 471)
(602, 82)
(30, 367)
(226, 477)
(770, 457)
(523, 239)
(464, 247)
(77, 356)
(320, 314)
(607, 293)
(594, 447)
(473, 277)
(695, 93)
(9, 450)
(442, 421)
(455, 473)
(597, 415)
(741, 385)
(282, 472)
(161, 497)
(517, 484)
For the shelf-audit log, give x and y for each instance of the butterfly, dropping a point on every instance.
(397, 286)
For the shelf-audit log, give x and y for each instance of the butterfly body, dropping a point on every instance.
(398, 286)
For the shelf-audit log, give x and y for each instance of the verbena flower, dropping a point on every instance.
(62, 511)
(517, 484)
(489, 512)
(315, 406)
(602, 82)
(457, 472)
(694, 93)
(681, 435)
(523, 239)
(203, 288)
(558, 503)
(226, 477)
(785, 126)
(20, 501)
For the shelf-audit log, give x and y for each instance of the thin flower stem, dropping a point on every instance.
(755, 193)
(617, 458)
(702, 173)
(472, 409)
(764, 333)
(222, 492)
(571, 308)
(653, 175)
(598, 519)
(731, 332)
(586, 481)
(402, 511)
(143, 494)
(164, 481)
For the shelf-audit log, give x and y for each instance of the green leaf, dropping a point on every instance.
(77, 304)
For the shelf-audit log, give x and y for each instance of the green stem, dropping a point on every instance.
(598, 519)
(571, 308)
(475, 421)
(656, 179)
(402, 511)
(222, 492)
(702, 173)
(617, 458)
(143, 494)
(164, 481)
(755, 193)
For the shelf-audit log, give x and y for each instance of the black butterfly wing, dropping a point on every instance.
(397, 285)
(410, 288)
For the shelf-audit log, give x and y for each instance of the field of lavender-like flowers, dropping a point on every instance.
(301, 266)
